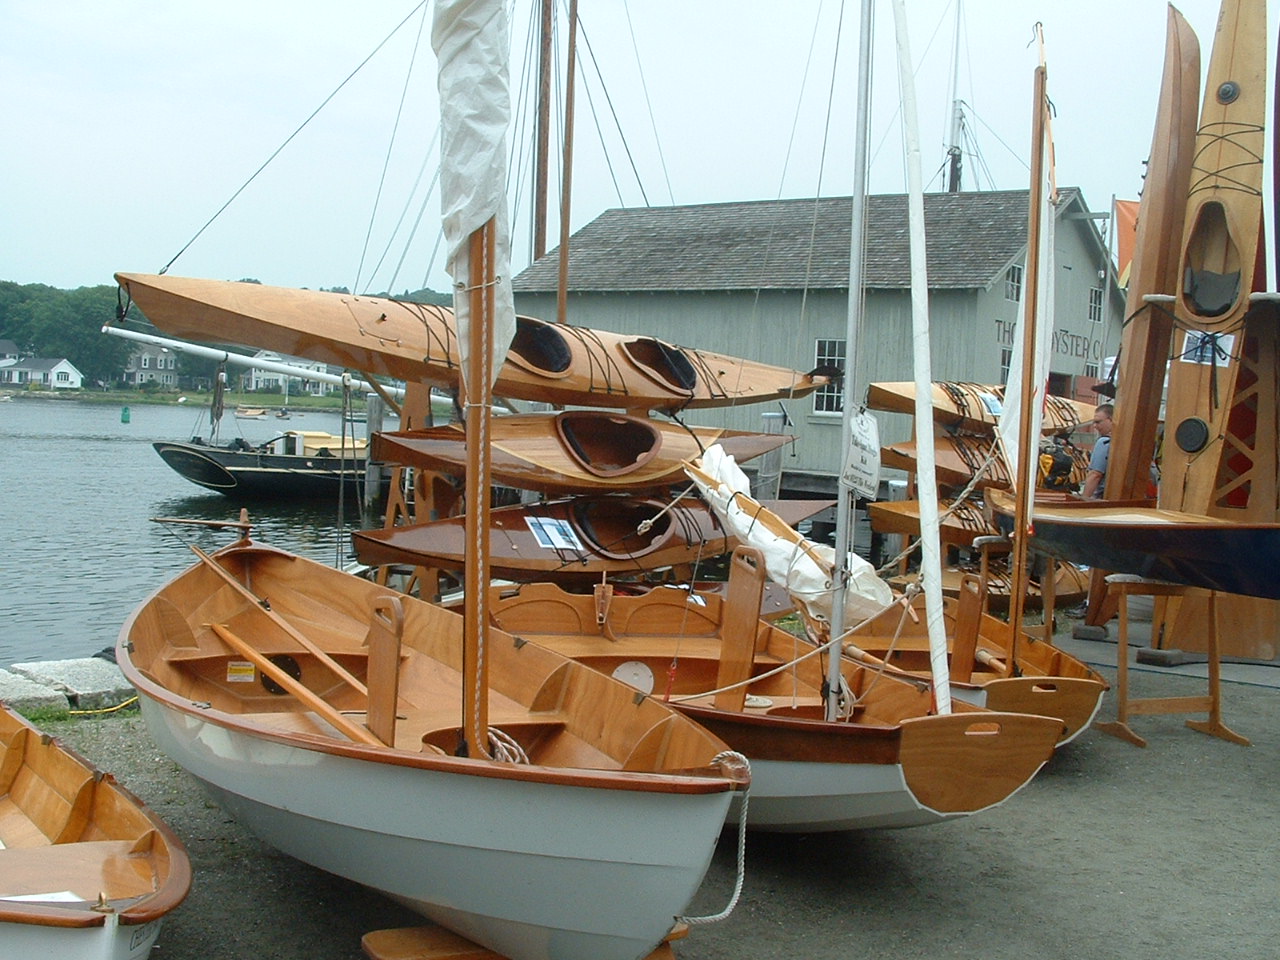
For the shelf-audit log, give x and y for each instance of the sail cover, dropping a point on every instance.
(471, 42)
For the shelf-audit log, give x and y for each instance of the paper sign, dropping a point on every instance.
(862, 469)
(553, 534)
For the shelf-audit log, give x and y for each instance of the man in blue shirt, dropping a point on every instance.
(1095, 479)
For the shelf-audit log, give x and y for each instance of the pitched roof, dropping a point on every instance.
(788, 244)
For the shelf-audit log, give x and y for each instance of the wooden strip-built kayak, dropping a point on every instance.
(1219, 268)
(973, 407)
(960, 522)
(335, 708)
(1070, 583)
(1148, 329)
(86, 869)
(958, 457)
(889, 762)
(548, 362)
(577, 539)
(1136, 538)
(577, 451)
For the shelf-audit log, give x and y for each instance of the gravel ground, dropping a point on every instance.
(1170, 852)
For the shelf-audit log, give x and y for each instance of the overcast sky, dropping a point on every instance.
(130, 123)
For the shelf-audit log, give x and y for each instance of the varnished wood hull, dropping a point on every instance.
(1048, 681)
(585, 451)
(892, 765)
(71, 832)
(574, 540)
(973, 407)
(635, 804)
(959, 523)
(552, 363)
(1196, 550)
(959, 457)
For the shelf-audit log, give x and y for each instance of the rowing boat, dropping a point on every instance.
(324, 713)
(87, 871)
(548, 362)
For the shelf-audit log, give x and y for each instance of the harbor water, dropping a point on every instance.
(78, 489)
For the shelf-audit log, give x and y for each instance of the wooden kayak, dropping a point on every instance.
(888, 762)
(1148, 329)
(578, 451)
(548, 362)
(325, 713)
(1222, 226)
(86, 869)
(973, 407)
(959, 522)
(576, 539)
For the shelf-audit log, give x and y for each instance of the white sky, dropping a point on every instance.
(131, 122)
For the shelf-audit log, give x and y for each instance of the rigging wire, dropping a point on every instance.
(648, 103)
(626, 146)
(289, 139)
(386, 162)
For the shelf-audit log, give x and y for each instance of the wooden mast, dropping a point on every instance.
(571, 73)
(1022, 489)
(477, 409)
(544, 133)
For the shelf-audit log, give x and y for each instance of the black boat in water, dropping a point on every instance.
(296, 464)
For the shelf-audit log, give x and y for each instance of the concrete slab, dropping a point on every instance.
(27, 696)
(89, 683)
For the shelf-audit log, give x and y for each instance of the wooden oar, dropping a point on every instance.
(305, 642)
(303, 693)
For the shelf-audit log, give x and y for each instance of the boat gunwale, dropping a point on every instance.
(723, 777)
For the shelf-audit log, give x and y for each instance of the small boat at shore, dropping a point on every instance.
(87, 871)
(325, 713)
(576, 539)
(548, 362)
(578, 451)
(295, 464)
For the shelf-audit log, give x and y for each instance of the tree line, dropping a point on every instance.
(49, 322)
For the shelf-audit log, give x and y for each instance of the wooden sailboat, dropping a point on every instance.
(890, 761)
(336, 707)
(577, 451)
(549, 362)
(575, 539)
(87, 871)
(524, 802)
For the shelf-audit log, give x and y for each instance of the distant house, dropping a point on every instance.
(151, 364)
(274, 381)
(59, 374)
(8, 350)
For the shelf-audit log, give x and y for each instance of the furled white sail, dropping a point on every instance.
(470, 38)
(803, 567)
(930, 537)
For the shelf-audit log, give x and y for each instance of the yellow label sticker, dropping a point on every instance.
(240, 671)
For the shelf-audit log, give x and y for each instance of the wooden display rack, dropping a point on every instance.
(1122, 589)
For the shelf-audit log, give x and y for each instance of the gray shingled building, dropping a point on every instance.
(769, 280)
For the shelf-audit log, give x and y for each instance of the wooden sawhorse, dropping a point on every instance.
(1124, 587)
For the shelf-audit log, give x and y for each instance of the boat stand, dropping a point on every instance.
(1123, 587)
(430, 942)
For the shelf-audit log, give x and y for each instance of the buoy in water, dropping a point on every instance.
(124, 414)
